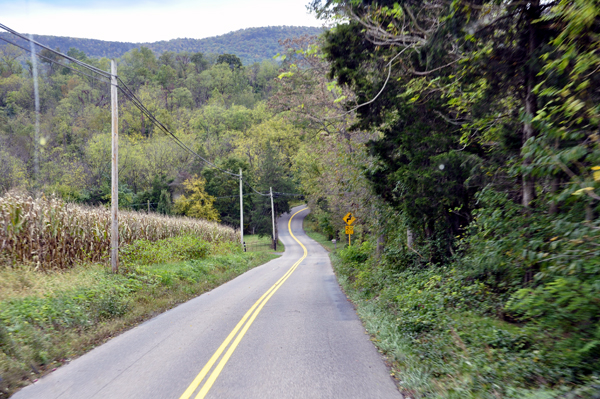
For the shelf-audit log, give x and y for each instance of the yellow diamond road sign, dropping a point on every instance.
(349, 218)
(349, 229)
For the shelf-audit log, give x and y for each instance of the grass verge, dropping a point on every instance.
(443, 339)
(47, 319)
(311, 229)
(256, 243)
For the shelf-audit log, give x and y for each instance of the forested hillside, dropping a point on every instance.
(214, 105)
(463, 135)
(250, 45)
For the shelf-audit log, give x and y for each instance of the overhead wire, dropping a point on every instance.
(129, 93)
(51, 60)
(288, 194)
(72, 59)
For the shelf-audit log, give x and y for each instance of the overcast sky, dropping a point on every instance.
(149, 20)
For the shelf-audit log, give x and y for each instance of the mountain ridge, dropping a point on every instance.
(250, 44)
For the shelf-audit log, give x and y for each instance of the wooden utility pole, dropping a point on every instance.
(273, 219)
(114, 238)
(36, 94)
(241, 211)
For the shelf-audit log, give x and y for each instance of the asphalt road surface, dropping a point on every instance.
(281, 330)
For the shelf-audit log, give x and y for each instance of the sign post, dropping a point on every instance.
(349, 219)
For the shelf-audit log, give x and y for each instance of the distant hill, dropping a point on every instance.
(251, 45)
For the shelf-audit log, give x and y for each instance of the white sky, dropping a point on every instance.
(149, 20)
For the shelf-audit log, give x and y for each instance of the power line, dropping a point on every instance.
(125, 90)
(288, 194)
(74, 60)
(51, 60)
(253, 189)
(129, 93)
(232, 196)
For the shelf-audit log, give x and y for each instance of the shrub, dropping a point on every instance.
(145, 252)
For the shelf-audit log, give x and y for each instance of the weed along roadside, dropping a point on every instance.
(446, 335)
(49, 315)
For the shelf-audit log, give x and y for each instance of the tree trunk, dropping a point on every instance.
(589, 212)
(380, 241)
(530, 99)
(553, 191)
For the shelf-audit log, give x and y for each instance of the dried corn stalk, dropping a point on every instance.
(54, 234)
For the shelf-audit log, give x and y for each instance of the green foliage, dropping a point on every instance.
(230, 59)
(212, 108)
(198, 204)
(504, 242)
(488, 156)
(438, 326)
(164, 203)
(549, 267)
(144, 252)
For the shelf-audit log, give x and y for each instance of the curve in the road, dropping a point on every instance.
(244, 324)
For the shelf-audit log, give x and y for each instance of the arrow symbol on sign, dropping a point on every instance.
(348, 218)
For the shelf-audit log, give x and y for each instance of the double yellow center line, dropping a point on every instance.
(244, 324)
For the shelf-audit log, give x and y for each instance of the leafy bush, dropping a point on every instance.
(549, 270)
(356, 254)
(440, 328)
(145, 252)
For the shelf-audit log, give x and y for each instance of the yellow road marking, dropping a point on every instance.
(250, 316)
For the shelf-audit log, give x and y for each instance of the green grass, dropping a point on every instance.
(322, 239)
(311, 228)
(48, 318)
(256, 243)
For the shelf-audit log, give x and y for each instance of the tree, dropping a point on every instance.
(9, 63)
(419, 167)
(198, 203)
(270, 174)
(200, 62)
(164, 203)
(225, 188)
(138, 67)
(231, 60)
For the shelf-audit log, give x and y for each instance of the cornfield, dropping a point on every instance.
(54, 234)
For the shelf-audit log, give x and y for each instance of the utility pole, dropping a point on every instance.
(241, 211)
(273, 219)
(114, 238)
(36, 93)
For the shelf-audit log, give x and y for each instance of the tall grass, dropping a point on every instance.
(53, 234)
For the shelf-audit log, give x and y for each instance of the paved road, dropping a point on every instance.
(300, 340)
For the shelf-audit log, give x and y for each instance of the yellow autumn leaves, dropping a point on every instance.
(589, 189)
(198, 204)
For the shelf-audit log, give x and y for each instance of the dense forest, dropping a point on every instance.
(214, 105)
(473, 167)
(250, 45)
(463, 135)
